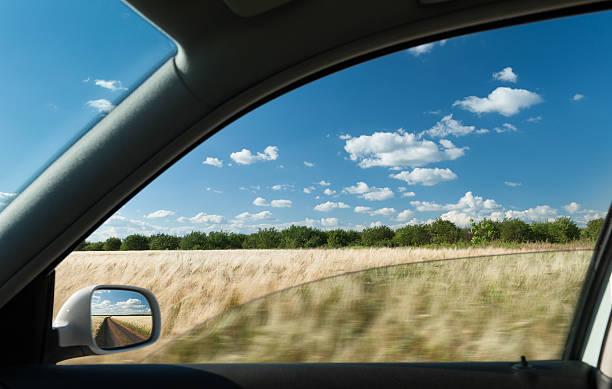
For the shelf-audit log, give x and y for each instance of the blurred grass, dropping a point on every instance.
(477, 309)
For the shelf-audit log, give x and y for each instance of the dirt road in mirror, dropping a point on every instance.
(113, 334)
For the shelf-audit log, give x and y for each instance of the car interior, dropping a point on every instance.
(234, 56)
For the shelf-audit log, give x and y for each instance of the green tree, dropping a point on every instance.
(195, 240)
(218, 240)
(81, 246)
(514, 230)
(135, 242)
(484, 231)
(412, 236)
(266, 238)
(95, 246)
(444, 232)
(563, 230)
(540, 231)
(164, 242)
(112, 244)
(377, 236)
(338, 238)
(302, 237)
(593, 228)
(236, 241)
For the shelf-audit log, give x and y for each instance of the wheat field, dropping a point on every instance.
(194, 286)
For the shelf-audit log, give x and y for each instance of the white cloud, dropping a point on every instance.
(281, 203)
(246, 216)
(309, 164)
(541, 212)
(578, 97)
(330, 205)
(159, 214)
(369, 192)
(399, 149)
(261, 202)
(213, 162)
(503, 100)
(245, 157)
(408, 194)
(512, 184)
(506, 74)
(329, 192)
(309, 189)
(113, 85)
(425, 48)
(383, 212)
(425, 176)
(324, 183)
(505, 128)
(378, 194)
(572, 207)
(282, 187)
(329, 222)
(534, 119)
(468, 207)
(404, 215)
(359, 188)
(360, 209)
(6, 197)
(449, 126)
(202, 217)
(102, 105)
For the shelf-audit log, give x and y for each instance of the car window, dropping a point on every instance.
(56, 84)
(437, 204)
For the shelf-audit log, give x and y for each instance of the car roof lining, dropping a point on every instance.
(86, 185)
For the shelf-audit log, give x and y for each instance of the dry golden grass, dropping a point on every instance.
(142, 325)
(96, 322)
(193, 286)
(479, 309)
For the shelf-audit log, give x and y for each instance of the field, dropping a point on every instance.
(142, 325)
(194, 286)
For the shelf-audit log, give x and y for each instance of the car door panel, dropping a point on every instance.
(544, 375)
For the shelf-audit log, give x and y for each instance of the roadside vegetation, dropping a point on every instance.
(96, 326)
(440, 233)
(195, 286)
(479, 309)
(142, 325)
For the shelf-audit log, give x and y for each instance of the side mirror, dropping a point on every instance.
(105, 319)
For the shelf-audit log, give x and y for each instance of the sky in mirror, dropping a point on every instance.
(65, 64)
(508, 123)
(116, 302)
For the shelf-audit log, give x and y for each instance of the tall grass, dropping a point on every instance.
(194, 286)
(142, 325)
(484, 309)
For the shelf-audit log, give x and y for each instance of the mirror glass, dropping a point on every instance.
(120, 318)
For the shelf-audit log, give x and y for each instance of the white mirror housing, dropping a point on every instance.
(73, 323)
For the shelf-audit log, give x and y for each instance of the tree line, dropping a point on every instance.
(438, 233)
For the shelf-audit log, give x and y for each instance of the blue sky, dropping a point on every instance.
(506, 123)
(119, 302)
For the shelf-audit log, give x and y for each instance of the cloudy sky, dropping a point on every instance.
(508, 123)
(119, 302)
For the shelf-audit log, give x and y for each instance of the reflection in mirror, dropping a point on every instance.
(120, 318)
